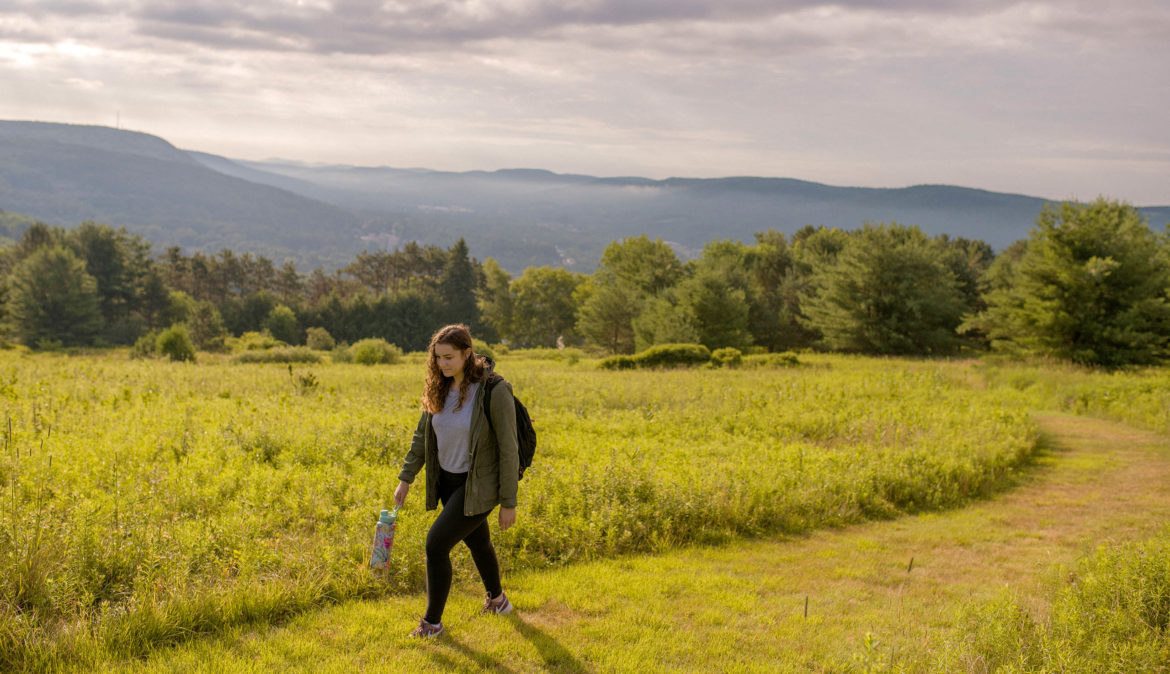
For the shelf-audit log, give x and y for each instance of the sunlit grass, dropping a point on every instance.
(147, 502)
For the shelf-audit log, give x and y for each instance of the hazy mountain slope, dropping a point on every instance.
(96, 137)
(579, 214)
(64, 175)
(321, 216)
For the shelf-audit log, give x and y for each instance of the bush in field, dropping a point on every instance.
(663, 355)
(146, 346)
(253, 341)
(619, 363)
(568, 354)
(673, 355)
(786, 359)
(281, 354)
(281, 323)
(727, 357)
(481, 347)
(319, 339)
(375, 351)
(342, 353)
(175, 343)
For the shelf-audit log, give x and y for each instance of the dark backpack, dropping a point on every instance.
(525, 433)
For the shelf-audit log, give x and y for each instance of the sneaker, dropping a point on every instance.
(499, 606)
(427, 630)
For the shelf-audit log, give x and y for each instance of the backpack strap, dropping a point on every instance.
(488, 385)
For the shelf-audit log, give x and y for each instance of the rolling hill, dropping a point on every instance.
(64, 175)
(322, 215)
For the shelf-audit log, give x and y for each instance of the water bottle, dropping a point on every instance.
(383, 539)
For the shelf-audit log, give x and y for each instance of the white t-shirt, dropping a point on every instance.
(453, 431)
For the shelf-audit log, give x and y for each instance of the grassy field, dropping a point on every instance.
(150, 502)
(1140, 397)
(1066, 572)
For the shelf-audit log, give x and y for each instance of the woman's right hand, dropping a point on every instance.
(400, 493)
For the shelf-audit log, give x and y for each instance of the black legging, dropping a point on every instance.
(450, 527)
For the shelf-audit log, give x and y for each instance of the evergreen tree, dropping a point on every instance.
(52, 297)
(495, 301)
(1090, 286)
(607, 313)
(206, 326)
(720, 309)
(774, 312)
(630, 273)
(457, 288)
(289, 286)
(887, 292)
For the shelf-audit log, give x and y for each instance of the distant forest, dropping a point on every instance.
(1089, 285)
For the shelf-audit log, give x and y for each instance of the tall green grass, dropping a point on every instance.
(1110, 613)
(145, 502)
(1140, 397)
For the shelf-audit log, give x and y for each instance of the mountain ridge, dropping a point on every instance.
(324, 214)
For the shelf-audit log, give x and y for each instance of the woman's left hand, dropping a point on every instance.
(507, 518)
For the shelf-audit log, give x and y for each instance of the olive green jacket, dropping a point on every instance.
(495, 459)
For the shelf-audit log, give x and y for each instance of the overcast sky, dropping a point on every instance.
(1059, 99)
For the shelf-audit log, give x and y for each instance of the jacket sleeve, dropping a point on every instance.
(417, 455)
(503, 411)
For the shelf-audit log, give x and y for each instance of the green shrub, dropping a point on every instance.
(483, 349)
(727, 357)
(673, 355)
(175, 343)
(772, 360)
(281, 323)
(319, 339)
(146, 346)
(206, 326)
(662, 355)
(1112, 613)
(342, 353)
(283, 354)
(568, 354)
(376, 351)
(254, 341)
(618, 363)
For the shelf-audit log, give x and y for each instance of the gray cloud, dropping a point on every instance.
(372, 27)
(1000, 94)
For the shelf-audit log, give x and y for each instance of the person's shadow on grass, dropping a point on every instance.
(481, 659)
(556, 657)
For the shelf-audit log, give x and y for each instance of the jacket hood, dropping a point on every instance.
(489, 365)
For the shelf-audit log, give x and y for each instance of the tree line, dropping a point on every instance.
(1089, 285)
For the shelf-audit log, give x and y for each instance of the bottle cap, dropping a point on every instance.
(385, 517)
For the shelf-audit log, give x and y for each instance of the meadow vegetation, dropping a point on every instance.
(1137, 396)
(1109, 613)
(149, 501)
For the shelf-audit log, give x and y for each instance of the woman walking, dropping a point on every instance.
(472, 465)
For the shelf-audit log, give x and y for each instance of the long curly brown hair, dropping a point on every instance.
(437, 386)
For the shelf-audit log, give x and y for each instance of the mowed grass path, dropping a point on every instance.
(741, 607)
